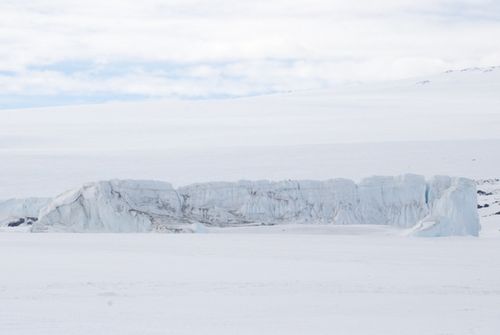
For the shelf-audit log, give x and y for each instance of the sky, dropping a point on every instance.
(57, 52)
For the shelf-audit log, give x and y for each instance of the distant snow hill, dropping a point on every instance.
(440, 207)
(447, 124)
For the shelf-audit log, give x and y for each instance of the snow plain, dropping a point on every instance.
(248, 284)
(287, 279)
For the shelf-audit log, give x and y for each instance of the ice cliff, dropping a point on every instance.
(439, 207)
(113, 206)
(15, 212)
(452, 209)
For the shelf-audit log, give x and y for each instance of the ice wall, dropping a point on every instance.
(453, 209)
(14, 209)
(112, 206)
(442, 206)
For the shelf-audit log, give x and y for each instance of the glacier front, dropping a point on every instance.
(17, 212)
(439, 207)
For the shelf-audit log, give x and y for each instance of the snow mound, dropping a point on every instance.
(442, 206)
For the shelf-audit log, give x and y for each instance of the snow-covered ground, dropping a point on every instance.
(247, 284)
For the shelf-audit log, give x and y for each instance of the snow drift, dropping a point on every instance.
(439, 207)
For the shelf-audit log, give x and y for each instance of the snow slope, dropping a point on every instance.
(447, 124)
(444, 206)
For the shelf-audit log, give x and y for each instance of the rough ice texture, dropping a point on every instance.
(453, 208)
(442, 206)
(113, 206)
(13, 210)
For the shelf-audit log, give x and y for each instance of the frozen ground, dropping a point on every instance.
(248, 284)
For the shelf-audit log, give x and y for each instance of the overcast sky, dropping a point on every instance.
(64, 51)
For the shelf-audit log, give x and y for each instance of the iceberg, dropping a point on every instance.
(439, 207)
(453, 209)
(112, 206)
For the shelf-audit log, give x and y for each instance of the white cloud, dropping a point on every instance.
(237, 47)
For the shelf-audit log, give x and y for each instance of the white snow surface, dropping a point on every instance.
(441, 207)
(290, 284)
